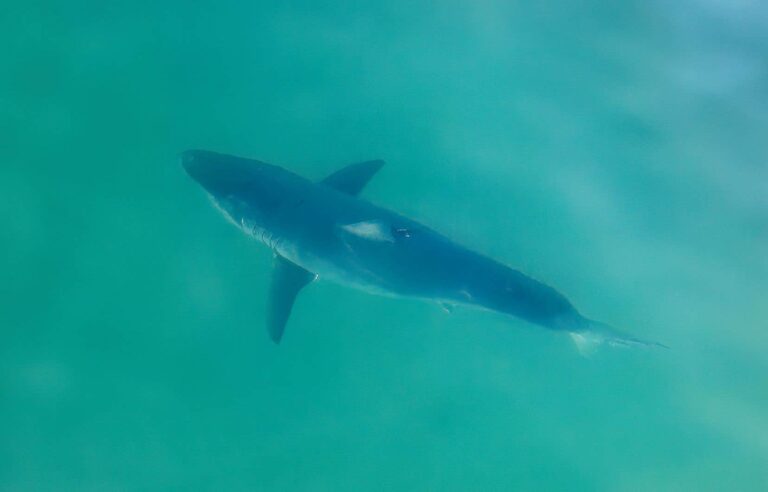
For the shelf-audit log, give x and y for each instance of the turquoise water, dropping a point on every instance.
(615, 150)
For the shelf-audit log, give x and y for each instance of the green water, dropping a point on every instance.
(615, 150)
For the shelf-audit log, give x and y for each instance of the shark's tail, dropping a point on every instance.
(594, 333)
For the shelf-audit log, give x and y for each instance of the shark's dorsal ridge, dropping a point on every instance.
(353, 178)
(287, 280)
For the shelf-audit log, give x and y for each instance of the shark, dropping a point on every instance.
(325, 230)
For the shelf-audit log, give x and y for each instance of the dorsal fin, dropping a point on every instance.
(354, 177)
(287, 280)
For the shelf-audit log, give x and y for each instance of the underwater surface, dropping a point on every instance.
(614, 150)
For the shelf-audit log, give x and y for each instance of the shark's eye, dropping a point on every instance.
(401, 232)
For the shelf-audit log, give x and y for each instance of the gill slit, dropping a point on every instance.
(261, 234)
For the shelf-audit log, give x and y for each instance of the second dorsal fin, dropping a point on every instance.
(353, 178)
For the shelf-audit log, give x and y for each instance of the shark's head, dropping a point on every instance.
(220, 174)
(247, 190)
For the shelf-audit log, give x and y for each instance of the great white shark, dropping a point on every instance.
(323, 230)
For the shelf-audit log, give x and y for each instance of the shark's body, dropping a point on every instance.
(323, 230)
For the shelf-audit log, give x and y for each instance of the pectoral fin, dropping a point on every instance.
(287, 280)
(354, 177)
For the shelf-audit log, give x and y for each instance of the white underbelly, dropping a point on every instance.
(342, 274)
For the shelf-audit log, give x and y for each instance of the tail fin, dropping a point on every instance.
(595, 333)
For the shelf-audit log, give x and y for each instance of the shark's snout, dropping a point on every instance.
(193, 162)
(218, 173)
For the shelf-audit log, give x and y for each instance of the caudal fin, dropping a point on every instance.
(595, 334)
